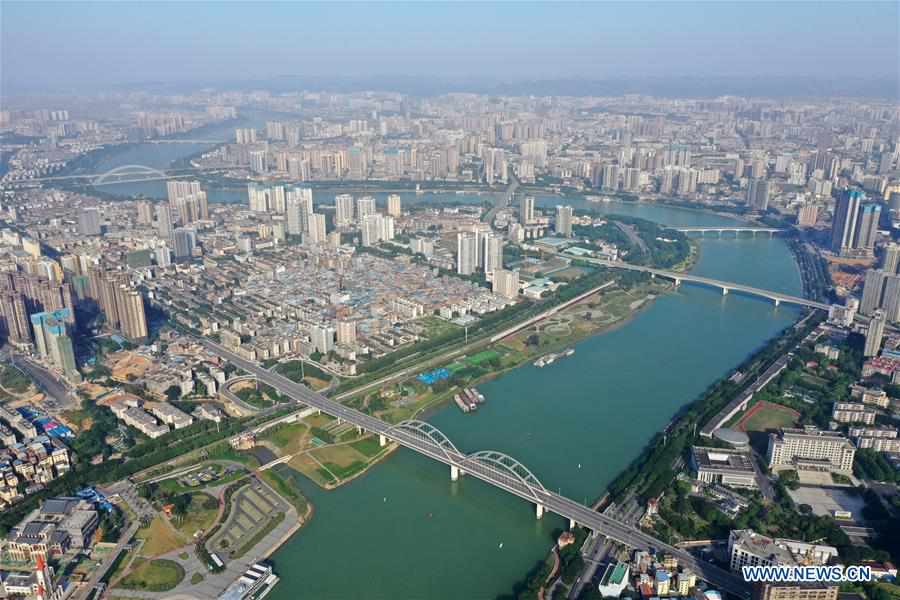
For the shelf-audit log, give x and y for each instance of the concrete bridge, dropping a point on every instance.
(736, 230)
(725, 286)
(493, 467)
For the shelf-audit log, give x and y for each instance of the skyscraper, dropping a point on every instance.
(466, 252)
(365, 206)
(891, 261)
(343, 209)
(526, 210)
(874, 334)
(564, 220)
(299, 209)
(758, 194)
(873, 288)
(855, 227)
(393, 205)
(185, 242)
(493, 254)
(164, 221)
(506, 283)
(53, 341)
(89, 221)
(316, 233)
(133, 319)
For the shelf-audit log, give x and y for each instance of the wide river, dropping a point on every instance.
(404, 530)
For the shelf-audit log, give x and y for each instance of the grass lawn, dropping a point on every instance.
(13, 380)
(342, 456)
(289, 437)
(159, 537)
(196, 578)
(154, 575)
(368, 446)
(310, 468)
(282, 481)
(768, 416)
(200, 516)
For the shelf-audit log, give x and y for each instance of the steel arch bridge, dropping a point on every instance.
(130, 173)
(428, 433)
(484, 462)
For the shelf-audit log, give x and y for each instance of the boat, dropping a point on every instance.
(569, 352)
(459, 402)
(540, 362)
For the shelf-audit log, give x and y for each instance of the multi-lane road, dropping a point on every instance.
(498, 470)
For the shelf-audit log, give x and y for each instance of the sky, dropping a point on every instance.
(48, 44)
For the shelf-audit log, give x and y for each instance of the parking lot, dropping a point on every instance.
(826, 500)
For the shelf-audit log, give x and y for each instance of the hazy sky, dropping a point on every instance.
(106, 43)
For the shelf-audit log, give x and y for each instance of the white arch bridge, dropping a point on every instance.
(128, 174)
(493, 467)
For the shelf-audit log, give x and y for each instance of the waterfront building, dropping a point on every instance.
(614, 580)
(808, 215)
(62, 523)
(758, 194)
(365, 206)
(726, 467)
(393, 205)
(810, 449)
(343, 210)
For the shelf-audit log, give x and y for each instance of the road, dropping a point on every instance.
(497, 469)
(44, 379)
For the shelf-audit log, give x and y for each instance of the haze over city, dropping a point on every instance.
(502, 301)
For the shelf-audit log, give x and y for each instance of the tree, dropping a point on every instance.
(173, 393)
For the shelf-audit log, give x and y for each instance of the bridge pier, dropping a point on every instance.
(571, 523)
(538, 510)
(724, 291)
(382, 440)
(454, 473)
(777, 301)
(359, 430)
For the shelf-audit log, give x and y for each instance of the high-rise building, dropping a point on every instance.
(53, 341)
(245, 136)
(14, 318)
(299, 209)
(376, 228)
(808, 215)
(316, 233)
(185, 240)
(164, 221)
(873, 289)
(133, 318)
(145, 212)
(163, 255)
(89, 221)
(322, 337)
(890, 300)
(466, 252)
(526, 210)
(393, 205)
(365, 206)
(343, 210)
(795, 591)
(346, 332)
(259, 161)
(493, 254)
(855, 227)
(506, 283)
(564, 220)
(874, 334)
(891, 261)
(758, 194)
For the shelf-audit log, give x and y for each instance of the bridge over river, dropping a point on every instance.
(495, 468)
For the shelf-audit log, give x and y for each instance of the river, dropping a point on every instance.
(404, 530)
